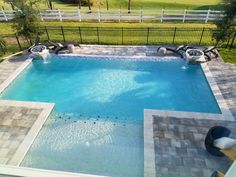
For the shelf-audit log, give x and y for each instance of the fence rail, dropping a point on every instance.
(123, 15)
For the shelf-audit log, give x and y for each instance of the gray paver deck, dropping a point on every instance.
(15, 123)
(179, 147)
(225, 77)
(7, 67)
(118, 50)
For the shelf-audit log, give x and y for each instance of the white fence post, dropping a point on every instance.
(141, 15)
(99, 15)
(5, 16)
(59, 14)
(162, 14)
(79, 14)
(184, 15)
(41, 16)
(208, 13)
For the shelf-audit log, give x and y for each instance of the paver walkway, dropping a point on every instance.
(7, 67)
(15, 123)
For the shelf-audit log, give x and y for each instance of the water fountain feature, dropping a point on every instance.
(194, 55)
(39, 51)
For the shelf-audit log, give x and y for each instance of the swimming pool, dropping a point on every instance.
(97, 125)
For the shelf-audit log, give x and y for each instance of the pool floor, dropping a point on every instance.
(88, 145)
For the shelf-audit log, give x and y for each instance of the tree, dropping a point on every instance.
(79, 2)
(50, 4)
(107, 4)
(89, 4)
(129, 6)
(225, 25)
(26, 22)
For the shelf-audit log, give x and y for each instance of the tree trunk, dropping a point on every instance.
(89, 5)
(50, 4)
(12, 6)
(107, 4)
(129, 4)
(79, 4)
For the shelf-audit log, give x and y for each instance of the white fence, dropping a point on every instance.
(124, 15)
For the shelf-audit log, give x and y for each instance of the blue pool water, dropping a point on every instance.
(97, 126)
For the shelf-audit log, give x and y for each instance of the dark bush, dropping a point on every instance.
(83, 2)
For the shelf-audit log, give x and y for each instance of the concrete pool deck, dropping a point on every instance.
(173, 140)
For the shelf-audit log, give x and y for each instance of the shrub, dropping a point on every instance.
(26, 18)
(226, 24)
(83, 2)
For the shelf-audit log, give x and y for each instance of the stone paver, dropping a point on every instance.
(179, 147)
(15, 123)
(225, 77)
(7, 67)
(118, 50)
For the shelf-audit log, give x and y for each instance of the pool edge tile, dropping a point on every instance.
(149, 149)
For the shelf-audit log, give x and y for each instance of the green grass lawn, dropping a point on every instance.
(111, 33)
(5, 28)
(228, 55)
(137, 4)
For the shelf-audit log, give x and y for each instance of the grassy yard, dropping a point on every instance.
(5, 28)
(115, 33)
(136, 4)
(228, 55)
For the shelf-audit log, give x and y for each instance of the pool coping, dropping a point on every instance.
(149, 152)
(14, 75)
(155, 58)
(34, 172)
(227, 115)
